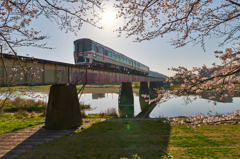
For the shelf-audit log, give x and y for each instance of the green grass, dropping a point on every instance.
(147, 139)
(208, 141)
(101, 115)
(23, 115)
(13, 125)
(108, 140)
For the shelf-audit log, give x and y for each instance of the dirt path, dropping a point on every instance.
(14, 143)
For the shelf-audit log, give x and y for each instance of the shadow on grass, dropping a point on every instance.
(42, 135)
(109, 139)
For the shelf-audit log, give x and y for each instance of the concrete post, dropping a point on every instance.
(152, 87)
(63, 111)
(126, 100)
(143, 88)
(159, 84)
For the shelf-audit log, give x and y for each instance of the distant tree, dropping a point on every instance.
(17, 16)
(192, 21)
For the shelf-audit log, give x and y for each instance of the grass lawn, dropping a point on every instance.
(147, 139)
(13, 125)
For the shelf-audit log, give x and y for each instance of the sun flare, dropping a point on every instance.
(108, 17)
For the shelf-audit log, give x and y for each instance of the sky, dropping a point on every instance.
(158, 53)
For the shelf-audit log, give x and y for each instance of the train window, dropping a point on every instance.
(109, 54)
(75, 44)
(80, 47)
(114, 55)
(130, 62)
(83, 44)
(118, 57)
(125, 60)
(101, 50)
(121, 58)
(87, 45)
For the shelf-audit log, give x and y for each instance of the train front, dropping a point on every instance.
(82, 51)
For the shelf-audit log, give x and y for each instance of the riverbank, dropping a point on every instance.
(147, 139)
(106, 90)
(88, 88)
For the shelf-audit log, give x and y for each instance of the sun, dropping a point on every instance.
(108, 17)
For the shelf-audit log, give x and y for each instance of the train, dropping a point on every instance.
(94, 55)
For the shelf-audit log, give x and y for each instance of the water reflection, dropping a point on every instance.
(206, 95)
(126, 111)
(146, 107)
(178, 106)
(98, 95)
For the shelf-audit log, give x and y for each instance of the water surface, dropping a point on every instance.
(179, 106)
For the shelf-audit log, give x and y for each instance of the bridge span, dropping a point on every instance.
(63, 110)
(33, 71)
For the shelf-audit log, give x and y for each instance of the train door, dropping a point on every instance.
(79, 48)
(105, 54)
(80, 52)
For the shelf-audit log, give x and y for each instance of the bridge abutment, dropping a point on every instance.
(126, 100)
(63, 111)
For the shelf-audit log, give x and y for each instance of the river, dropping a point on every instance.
(179, 106)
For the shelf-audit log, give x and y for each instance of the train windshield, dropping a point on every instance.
(82, 45)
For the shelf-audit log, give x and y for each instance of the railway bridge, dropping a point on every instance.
(63, 109)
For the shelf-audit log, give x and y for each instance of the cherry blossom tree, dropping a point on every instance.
(192, 21)
(16, 31)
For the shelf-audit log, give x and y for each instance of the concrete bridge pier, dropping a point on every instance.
(152, 87)
(159, 84)
(63, 111)
(143, 88)
(126, 100)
